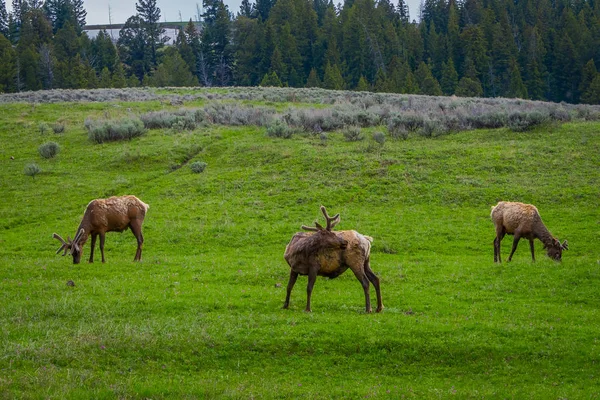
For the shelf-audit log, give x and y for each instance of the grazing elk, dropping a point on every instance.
(114, 214)
(523, 221)
(323, 252)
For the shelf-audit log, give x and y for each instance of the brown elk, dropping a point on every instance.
(114, 214)
(323, 252)
(523, 221)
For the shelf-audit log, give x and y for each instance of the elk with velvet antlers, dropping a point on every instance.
(323, 252)
(114, 214)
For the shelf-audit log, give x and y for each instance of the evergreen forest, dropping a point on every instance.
(531, 49)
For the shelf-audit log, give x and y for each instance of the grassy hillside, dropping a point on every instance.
(201, 315)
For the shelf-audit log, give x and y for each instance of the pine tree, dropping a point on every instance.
(333, 78)
(363, 85)
(469, 87)
(271, 80)
(61, 12)
(3, 19)
(105, 80)
(381, 82)
(217, 51)
(427, 82)
(29, 70)
(103, 51)
(149, 12)
(592, 94)
(185, 51)
(449, 80)
(248, 41)
(403, 12)
(588, 75)
(516, 86)
(173, 71)
(263, 8)
(246, 9)
(118, 76)
(8, 66)
(132, 47)
(313, 79)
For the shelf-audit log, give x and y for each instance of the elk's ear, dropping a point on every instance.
(319, 226)
(565, 245)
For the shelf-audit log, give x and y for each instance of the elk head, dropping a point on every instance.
(330, 239)
(72, 246)
(555, 250)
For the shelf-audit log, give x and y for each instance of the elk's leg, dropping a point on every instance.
(514, 246)
(290, 286)
(532, 247)
(94, 236)
(312, 277)
(136, 229)
(102, 237)
(364, 281)
(375, 281)
(499, 236)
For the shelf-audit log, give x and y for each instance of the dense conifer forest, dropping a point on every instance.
(531, 49)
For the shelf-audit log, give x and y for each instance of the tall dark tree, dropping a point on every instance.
(149, 13)
(8, 66)
(3, 19)
(248, 39)
(61, 12)
(103, 52)
(247, 9)
(132, 45)
(217, 51)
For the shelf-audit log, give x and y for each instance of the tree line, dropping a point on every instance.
(531, 49)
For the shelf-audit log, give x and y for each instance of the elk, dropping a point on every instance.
(322, 252)
(114, 214)
(523, 221)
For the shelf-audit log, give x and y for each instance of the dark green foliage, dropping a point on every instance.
(271, 80)
(149, 13)
(468, 87)
(198, 166)
(449, 80)
(173, 71)
(427, 82)
(313, 79)
(333, 78)
(49, 150)
(100, 131)
(32, 170)
(58, 127)
(8, 66)
(363, 85)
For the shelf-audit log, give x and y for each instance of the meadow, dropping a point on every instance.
(201, 316)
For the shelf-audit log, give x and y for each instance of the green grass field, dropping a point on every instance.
(201, 317)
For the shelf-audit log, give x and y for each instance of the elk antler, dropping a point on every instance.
(75, 243)
(78, 236)
(65, 245)
(331, 221)
(565, 245)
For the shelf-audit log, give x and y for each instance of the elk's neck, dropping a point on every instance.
(543, 234)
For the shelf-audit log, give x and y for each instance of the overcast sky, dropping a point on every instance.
(120, 10)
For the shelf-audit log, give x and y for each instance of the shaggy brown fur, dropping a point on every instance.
(114, 214)
(523, 221)
(327, 253)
